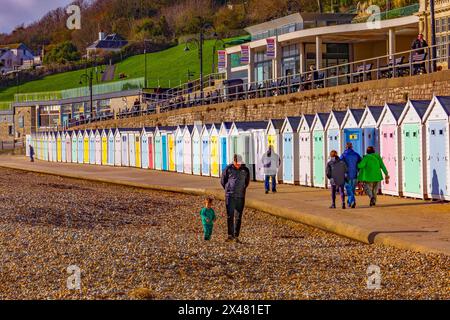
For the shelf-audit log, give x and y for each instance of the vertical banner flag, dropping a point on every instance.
(270, 53)
(222, 59)
(245, 54)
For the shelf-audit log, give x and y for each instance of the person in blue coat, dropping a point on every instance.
(351, 159)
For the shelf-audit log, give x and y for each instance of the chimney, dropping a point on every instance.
(101, 35)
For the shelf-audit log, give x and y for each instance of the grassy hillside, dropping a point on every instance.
(169, 66)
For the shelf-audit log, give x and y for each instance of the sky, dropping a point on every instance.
(16, 12)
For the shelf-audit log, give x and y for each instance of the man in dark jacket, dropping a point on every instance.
(235, 180)
(351, 159)
(419, 44)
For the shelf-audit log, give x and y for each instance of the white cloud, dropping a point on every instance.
(16, 12)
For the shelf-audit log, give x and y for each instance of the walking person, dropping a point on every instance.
(336, 172)
(235, 180)
(31, 153)
(208, 217)
(271, 162)
(351, 159)
(371, 169)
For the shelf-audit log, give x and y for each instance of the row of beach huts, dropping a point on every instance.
(413, 139)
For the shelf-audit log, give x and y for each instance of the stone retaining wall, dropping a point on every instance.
(357, 95)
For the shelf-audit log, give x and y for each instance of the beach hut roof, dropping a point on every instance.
(445, 103)
(277, 123)
(420, 106)
(375, 111)
(309, 118)
(323, 118)
(357, 114)
(396, 109)
(248, 125)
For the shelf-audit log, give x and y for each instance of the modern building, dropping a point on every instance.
(290, 45)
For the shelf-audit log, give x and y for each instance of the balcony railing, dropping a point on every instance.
(98, 89)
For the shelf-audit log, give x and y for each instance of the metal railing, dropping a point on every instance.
(5, 105)
(400, 64)
(98, 89)
(391, 14)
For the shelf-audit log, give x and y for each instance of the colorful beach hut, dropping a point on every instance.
(319, 149)
(92, 147)
(368, 124)
(111, 145)
(224, 145)
(305, 149)
(54, 147)
(151, 147)
(187, 149)
(86, 147)
(196, 150)
(205, 152)
(259, 148)
(104, 159)
(172, 152)
(437, 125)
(214, 150)
(98, 147)
(117, 148)
(390, 148)
(413, 148)
(179, 144)
(124, 145)
(333, 129)
(58, 147)
(68, 142)
(80, 147)
(290, 157)
(144, 149)
(275, 139)
(243, 143)
(352, 131)
(74, 137)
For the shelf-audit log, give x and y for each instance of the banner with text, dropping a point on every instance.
(271, 51)
(245, 54)
(221, 60)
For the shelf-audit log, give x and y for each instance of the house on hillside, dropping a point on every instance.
(16, 57)
(106, 43)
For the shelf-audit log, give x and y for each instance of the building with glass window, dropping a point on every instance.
(442, 25)
(290, 45)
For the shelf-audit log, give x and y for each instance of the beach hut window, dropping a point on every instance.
(385, 135)
(407, 134)
(441, 132)
(391, 135)
(414, 134)
(433, 132)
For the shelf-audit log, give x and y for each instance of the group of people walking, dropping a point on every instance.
(344, 173)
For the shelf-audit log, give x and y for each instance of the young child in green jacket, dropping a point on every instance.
(208, 217)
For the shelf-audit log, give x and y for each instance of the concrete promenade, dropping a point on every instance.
(417, 225)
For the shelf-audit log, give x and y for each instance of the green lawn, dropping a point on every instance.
(169, 67)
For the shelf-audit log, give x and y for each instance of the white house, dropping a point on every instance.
(15, 57)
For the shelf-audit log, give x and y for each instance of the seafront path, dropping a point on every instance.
(412, 224)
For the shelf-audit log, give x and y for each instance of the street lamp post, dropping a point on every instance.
(200, 43)
(214, 53)
(433, 34)
(89, 79)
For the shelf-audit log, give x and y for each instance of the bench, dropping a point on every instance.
(361, 70)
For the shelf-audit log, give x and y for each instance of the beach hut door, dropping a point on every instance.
(437, 159)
